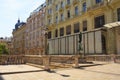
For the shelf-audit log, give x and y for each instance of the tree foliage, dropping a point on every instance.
(3, 49)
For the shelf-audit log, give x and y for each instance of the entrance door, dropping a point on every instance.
(118, 40)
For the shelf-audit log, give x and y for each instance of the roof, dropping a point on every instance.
(39, 8)
(111, 25)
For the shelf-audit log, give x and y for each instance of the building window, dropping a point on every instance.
(76, 10)
(84, 25)
(62, 17)
(62, 4)
(76, 27)
(49, 21)
(99, 21)
(49, 2)
(98, 1)
(49, 11)
(118, 13)
(56, 33)
(61, 31)
(84, 7)
(56, 7)
(49, 35)
(68, 1)
(68, 30)
(68, 13)
(56, 19)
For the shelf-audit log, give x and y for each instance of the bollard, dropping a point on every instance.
(76, 61)
(46, 62)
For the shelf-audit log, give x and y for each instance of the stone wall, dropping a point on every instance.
(11, 59)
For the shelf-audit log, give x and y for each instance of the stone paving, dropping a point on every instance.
(109, 71)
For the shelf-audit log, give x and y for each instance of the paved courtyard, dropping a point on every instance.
(89, 72)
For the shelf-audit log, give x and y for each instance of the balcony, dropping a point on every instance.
(61, 21)
(75, 2)
(50, 25)
(49, 15)
(89, 8)
(56, 13)
(75, 15)
(67, 6)
(83, 12)
(98, 5)
(61, 9)
(67, 18)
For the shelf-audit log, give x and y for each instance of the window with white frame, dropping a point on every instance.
(76, 10)
(68, 1)
(62, 4)
(56, 7)
(56, 19)
(84, 7)
(49, 2)
(50, 11)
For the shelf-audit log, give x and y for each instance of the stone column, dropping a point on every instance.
(111, 42)
(113, 58)
(76, 61)
(46, 62)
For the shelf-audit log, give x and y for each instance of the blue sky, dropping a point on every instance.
(11, 10)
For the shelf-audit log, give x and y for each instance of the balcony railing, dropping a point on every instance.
(49, 15)
(61, 9)
(75, 2)
(98, 5)
(67, 6)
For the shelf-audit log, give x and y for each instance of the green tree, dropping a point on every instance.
(3, 49)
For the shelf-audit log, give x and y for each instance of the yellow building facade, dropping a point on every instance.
(65, 19)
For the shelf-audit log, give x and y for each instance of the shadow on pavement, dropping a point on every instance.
(64, 75)
(103, 72)
(83, 68)
(1, 78)
(20, 72)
